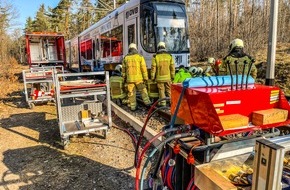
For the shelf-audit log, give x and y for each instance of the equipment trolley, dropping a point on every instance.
(79, 100)
(38, 84)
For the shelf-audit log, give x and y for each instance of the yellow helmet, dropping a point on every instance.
(161, 44)
(132, 45)
(236, 43)
(211, 60)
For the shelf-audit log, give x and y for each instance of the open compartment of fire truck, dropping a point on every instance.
(45, 49)
(80, 98)
(264, 167)
(38, 84)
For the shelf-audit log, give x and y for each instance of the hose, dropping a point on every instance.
(237, 74)
(176, 136)
(149, 115)
(133, 137)
(191, 182)
(244, 65)
(163, 168)
(139, 161)
(232, 80)
(251, 64)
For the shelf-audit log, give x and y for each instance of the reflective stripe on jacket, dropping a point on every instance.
(162, 68)
(134, 68)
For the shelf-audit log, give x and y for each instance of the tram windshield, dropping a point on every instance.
(164, 22)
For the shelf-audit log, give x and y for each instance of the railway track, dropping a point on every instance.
(135, 119)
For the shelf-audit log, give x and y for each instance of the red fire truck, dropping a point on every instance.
(45, 49)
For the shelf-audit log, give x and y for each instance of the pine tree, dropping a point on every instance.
(60, 17)
(84, 15)
(41, 22)
(29, 25)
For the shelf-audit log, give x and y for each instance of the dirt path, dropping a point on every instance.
(32, 159)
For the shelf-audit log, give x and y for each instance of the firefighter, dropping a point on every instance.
(181, 75)
(238, 59)
(214, 64)
(134, 73)
(193, 70)
(162, 71)
(118, 90)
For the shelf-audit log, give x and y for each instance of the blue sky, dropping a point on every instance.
(28, 8)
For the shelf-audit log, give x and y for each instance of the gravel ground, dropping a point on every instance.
(32, 158)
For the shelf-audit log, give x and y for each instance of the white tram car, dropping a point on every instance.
(104, 44)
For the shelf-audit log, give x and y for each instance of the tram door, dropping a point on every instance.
(130, 34)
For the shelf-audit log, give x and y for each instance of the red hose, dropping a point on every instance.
(141, 157)
(147, 145)
(164, 166)
(168, 178)
(129, 133)
(142, 132)
(190, 184)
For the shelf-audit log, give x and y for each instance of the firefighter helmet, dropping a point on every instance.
(236, 43)
(211, 60)
(193, 70)
(118, 68)
(199, 71)
(132, 45)
(161, 44)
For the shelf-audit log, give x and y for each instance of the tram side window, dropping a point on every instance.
(131, 34)
(147, 32)
(86, 49)
(105, 45)
(117, 40)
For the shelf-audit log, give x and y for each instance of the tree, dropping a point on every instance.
(29, 25)
(41, 22)
(60, 17)
(84, 15)
(7, 15)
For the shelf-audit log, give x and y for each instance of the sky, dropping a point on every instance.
(28, 8)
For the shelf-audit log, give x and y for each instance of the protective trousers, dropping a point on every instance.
(132, 94)
(164, 90)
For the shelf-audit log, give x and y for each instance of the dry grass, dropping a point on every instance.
(282, 54)
(9, 77)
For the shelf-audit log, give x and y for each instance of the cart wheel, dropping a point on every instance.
(31, 105)
(105, 131)
(65, 144)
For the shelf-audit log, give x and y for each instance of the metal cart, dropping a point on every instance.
(38, 84)
(80, 104)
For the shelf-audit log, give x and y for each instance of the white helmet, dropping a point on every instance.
(236, 43)
(211, 60)
(199, 70)
(118, 68)
(161, 44)
(132, 45)
(193, 69)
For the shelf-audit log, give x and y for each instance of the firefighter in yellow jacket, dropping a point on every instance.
(118, 91)
(162, 71)
(134, 73)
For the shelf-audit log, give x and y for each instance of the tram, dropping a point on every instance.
(104, 44)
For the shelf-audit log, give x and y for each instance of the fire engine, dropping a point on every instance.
(45, 49)
(145, 23)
